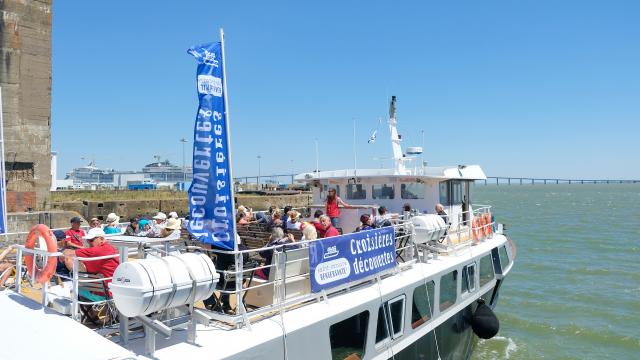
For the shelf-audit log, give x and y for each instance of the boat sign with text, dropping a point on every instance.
(343, 259)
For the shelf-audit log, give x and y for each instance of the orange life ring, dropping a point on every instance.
(476, 228)
(488, 230)
(42, 275)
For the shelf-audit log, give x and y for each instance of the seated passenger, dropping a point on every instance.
(316, 223)
(440, 211)
(133, 228)
(383, 219)
(277, 238)
(95, 223)
(329, 230)
(309, 232)
(156, 227)
(5, 265)
(366, 223)
(293, 221)
(98, 246)
(74, 235)
(241, 218)
(276, 221)
(171, 229)
(112, 224)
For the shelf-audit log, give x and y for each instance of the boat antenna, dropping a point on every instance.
(355, 155)
(395, 138)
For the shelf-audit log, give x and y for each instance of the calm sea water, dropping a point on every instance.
(574, 292)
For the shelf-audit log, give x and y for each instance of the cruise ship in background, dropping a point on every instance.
(158, 174)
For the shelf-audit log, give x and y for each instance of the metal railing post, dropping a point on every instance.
(19, 270)
(74, 289)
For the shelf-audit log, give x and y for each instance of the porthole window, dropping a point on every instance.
(349, 337)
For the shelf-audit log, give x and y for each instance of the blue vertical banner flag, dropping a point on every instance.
(210, 195)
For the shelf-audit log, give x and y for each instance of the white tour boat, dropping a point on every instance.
(430, 297)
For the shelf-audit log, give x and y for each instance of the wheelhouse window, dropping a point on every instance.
(383, 191)
(325, 188)
(469, 278)
(412, 191)
(356, 192)
(422, 309)
(454, 192)
(448, 290)
(349, 337)
(486, 270)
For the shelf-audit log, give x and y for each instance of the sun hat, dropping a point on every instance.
(160, 216)
(173, 214)
(94, 233)
(112, 218)
(294, 215)
(172, 224)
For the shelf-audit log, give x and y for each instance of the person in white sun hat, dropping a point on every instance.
(112, 224)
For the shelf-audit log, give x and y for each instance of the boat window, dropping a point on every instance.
(396, 313)
(422, 304)
(356, 192)
(325, 188)
(469, 278)
(382, 331)
(412, 191)
(444, 193)
(504, 259)
(383, 191)
(448, 290)
(486, 270)
(456, 192)
(349, 336)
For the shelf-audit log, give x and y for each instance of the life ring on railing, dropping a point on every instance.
(488, 229)
(37, 232)
(476, 227)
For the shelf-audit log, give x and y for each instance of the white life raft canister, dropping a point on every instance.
(145, 286)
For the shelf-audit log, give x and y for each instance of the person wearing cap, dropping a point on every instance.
(112, 224)
(171, 228)
(74, 236)
(98, 247)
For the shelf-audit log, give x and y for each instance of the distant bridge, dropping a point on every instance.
(525, 180)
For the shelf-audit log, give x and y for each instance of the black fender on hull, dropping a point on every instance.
(484, 322)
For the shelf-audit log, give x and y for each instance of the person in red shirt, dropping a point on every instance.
(98, 246)
(331, 206)
(74, 236)
(329, 230)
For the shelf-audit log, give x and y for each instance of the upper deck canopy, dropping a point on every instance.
(462, 172)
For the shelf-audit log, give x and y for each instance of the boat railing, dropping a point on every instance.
(42, 256)
(288, 281)
(471, 227)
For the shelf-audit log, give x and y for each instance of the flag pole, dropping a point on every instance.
(228, 129)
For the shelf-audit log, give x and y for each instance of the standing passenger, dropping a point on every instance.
(331, 206)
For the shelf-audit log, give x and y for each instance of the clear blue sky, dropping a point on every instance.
(523, 88)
